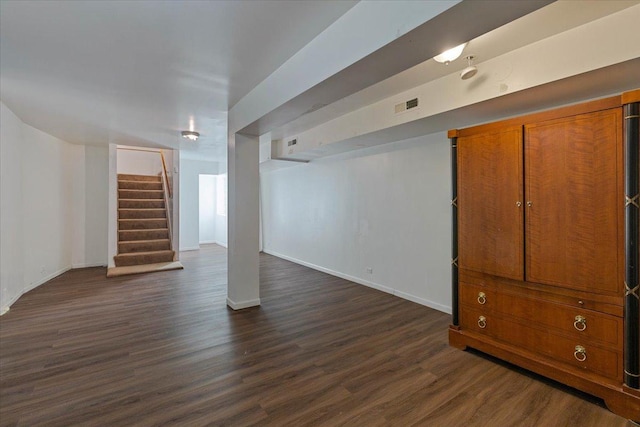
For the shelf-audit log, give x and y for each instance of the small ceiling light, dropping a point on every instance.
(470, 71)
(190, 135)
(450, 55)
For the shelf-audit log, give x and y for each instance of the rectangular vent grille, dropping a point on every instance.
(408, 105)
(292, 142)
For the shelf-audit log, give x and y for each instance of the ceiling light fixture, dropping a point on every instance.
(450, 55)
(470, 71)
(190, 135)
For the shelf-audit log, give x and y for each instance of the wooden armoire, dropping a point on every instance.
(545, 245)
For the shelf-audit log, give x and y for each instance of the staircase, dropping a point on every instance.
(143, 229)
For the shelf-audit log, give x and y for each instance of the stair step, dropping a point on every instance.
(140, 194)
(139, 258)
(141, 224)
(129, 177)
(141, 204)
(139, 185)
(134, 246)
(141, 213)
(143, 234)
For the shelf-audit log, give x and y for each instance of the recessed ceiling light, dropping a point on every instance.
(191, 135)
(450, 55)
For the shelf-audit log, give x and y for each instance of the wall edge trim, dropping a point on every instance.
(31, 287)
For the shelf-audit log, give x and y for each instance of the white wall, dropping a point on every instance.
(386, 208)
(11, 241)
(137, 162)
(190, 171)
(90, 205)
(96, 160)
(207, 209)
(51, 196)
(112, 213)
(221, 220)
(47, 205)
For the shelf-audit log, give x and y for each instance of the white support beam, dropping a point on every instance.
(243, 289)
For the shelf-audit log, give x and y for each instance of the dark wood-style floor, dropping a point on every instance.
(164, 349)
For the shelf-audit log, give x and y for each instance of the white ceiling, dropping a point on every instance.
(545, 22)
(137, 72)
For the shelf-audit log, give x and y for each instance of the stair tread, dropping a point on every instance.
(137, 254)
(140, 190)
(142, 219)
(142, 241)
(141, 200)
(141, 209)
(146, 229)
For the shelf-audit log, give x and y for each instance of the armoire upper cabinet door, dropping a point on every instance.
(490, 202)
(573, 192)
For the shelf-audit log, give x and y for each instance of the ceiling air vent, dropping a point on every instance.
(292, 142)
(408, 105)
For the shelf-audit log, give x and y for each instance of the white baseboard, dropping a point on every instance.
(360, 281)
(207, 242)
(243, 304)
(45, 279)
(6, 308)
(88, 265)
(32, 286)
(224, 245)
(190, 248)
(423, 301)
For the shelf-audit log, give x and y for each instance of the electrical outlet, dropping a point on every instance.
(369, 270)
(43, 270)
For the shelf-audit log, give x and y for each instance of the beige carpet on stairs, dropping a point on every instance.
(143, 268)
(144, 243)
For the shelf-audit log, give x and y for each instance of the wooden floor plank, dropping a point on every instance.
(163, 349)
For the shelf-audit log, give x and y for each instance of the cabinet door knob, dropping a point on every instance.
(518, 203)
(580, 323)
(580, 354)
(529, 203)
(482, 322)
(482, 298)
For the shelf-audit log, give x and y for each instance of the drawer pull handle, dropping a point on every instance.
(482, 322)
(580, 323)
(580, 354)
(482, 298)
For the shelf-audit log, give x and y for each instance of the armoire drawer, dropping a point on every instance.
(573, 322)
(580, 353)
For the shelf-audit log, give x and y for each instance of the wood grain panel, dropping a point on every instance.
(602, 361)
(573, 167)
(600, 328)
(163, 349)
(566, 296)
(490, 223)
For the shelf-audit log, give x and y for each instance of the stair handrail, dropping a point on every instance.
(168, 197)
(166, 175)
